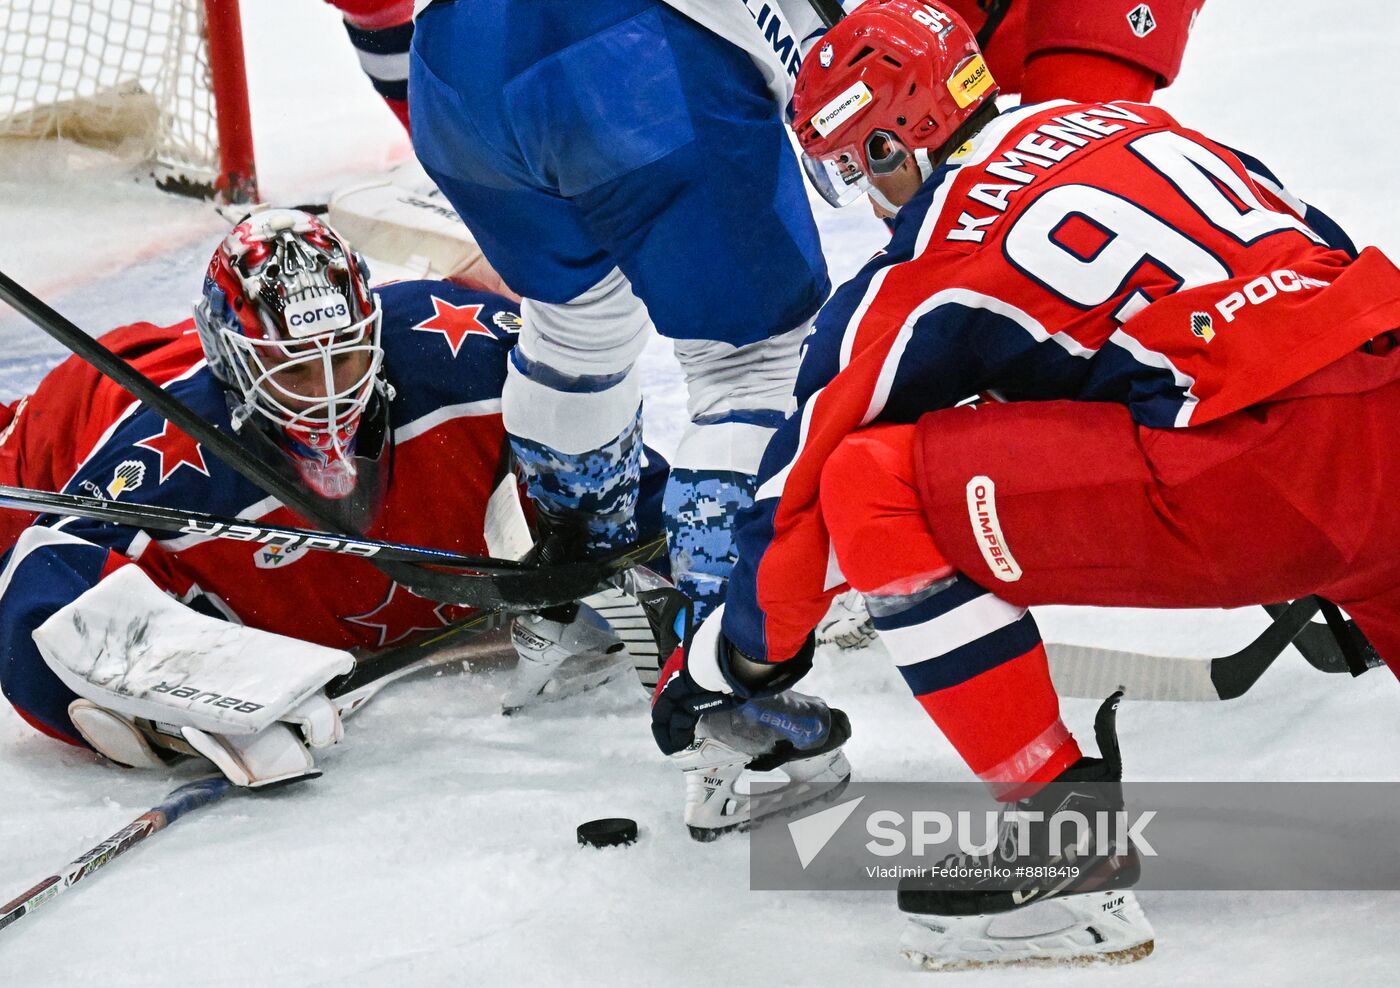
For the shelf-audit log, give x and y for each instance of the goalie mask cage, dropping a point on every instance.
(162, 78)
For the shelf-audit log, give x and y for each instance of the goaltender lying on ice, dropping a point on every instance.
(148, 647)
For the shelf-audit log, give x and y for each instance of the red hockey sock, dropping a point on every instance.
(1006, 724)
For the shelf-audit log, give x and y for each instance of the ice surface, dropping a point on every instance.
(439, 846)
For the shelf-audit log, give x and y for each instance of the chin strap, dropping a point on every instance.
(926, 167)
(879, 197)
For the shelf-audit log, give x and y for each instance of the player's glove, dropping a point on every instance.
(709, 674)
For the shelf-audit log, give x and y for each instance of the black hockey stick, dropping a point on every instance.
(513, 585)
(1338, 646)
(516, 585)
(372, 673)
(1087, 671)
(830, 11)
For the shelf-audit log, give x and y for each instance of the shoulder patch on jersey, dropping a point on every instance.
(455, 323)
(507, 322)
(127, 477)
(175, 449)
(1142, 22)
(277, 556)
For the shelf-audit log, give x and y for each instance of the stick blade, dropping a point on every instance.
(1093, 673)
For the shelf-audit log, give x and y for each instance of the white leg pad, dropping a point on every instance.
(113, 736)
(274, 755)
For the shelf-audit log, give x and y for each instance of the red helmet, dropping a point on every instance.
(892, 75)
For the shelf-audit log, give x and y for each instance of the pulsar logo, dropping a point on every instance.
(970, 80)
(842, 108)
(316, 315)
(1203, 326)
(247, 533)
(986, 529)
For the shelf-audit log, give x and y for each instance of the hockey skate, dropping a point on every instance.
(792, 734)
(1081, 912)
(847, 624)
(562, 655)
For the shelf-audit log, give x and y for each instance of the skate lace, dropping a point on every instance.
(1003, 853)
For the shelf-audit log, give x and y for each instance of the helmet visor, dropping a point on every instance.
(843, 175)
(838, 179)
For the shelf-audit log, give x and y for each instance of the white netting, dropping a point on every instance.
(121, 74)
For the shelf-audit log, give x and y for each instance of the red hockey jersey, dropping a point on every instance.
(1089, 252)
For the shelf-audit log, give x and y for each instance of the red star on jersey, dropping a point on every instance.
(401, 614)
(455, 323)
(175, 449)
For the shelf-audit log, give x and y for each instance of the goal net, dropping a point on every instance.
(163, 79)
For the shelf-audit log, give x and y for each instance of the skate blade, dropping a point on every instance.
(598, 671)
(1100, 928)
(1127, 955)
(829, 794)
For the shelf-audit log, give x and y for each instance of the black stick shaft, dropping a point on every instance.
(167, 519)
(495, 584)
(830, 11)
(1233, 675)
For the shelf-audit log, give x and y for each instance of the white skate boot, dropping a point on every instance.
(792, 734)
(562, 658)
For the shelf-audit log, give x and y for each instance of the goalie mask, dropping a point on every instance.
(291, 330)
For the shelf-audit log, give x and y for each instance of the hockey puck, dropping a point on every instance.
(607, 833)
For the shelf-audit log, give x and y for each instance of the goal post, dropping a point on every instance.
(237, 180)
(161, 80)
